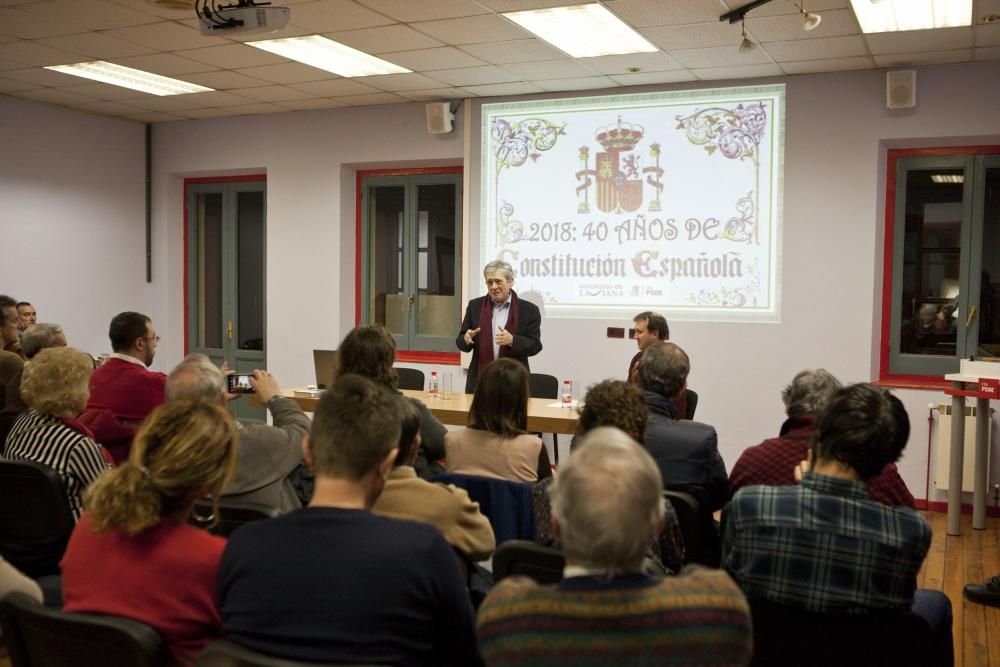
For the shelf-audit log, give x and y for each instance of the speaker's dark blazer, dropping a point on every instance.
(527, 339)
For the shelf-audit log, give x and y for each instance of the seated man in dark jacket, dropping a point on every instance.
(687, 452)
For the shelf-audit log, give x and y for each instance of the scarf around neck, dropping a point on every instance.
(484, 341)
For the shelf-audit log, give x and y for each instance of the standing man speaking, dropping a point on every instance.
(499, 324)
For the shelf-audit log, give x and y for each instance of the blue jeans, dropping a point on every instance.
(935, 608)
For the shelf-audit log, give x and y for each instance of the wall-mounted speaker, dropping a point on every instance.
(901, 89)
(439, 117)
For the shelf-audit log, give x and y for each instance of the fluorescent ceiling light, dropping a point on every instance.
(899, 15)
(329, 55)
(583, 31)
(126, 77)
(948, 178)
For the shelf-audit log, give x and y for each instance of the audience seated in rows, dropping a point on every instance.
(133, 554)
(618, 404)
(444, 506)
(335, 583)
(496, 442)
(825, 545)
(54, 386)
(773, 462)
(687, 452)
(122, 391)
(370, 351)
(607, 507)
(35, 339)
(269, 455)
(10, 341)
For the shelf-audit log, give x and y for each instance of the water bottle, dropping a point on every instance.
(432, 385)
(567, 394)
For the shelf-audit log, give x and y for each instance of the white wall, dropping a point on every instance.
(837, 131)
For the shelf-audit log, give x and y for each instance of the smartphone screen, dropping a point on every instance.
(239, 383)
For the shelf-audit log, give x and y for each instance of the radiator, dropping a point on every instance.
(943, 467)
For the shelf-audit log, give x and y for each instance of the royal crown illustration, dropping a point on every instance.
(620, 137)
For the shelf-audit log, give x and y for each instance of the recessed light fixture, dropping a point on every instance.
(126, 77)
(583, 31)
(948, 178)
(329, 55)
(900, 15)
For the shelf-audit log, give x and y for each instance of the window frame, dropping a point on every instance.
(946, 157)
(417, 356)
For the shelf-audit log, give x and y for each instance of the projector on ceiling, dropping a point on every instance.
(245, 18)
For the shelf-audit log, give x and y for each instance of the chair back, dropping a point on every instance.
(35, 517)
(230, 516)
(506, 504)
(788, 637)
(690, 520)
(543, 386)
(691, 402)
(410, 378)
(226, 653)
(37, 636)
(543, 564)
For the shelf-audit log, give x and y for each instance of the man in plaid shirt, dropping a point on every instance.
(825, 545)
(773, 461)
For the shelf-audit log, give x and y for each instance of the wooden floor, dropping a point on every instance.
(972, 557)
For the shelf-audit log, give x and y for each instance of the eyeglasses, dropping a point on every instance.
(155, 339)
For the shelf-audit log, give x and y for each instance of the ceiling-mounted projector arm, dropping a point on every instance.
(209, 14)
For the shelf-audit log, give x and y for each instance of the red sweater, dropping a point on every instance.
(164, 577)
(128, 390)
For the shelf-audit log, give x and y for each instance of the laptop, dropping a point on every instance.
(323, 361)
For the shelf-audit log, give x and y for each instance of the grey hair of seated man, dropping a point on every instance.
(499, 265)
(41, 336)
(607, 502)
(664, 369)
(808, 392)
(195, 379)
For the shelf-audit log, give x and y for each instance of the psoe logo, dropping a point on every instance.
(652, 291)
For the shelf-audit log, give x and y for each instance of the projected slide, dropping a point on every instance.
(611, 205)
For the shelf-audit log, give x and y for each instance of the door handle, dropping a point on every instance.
(409, 301)
(229, 330)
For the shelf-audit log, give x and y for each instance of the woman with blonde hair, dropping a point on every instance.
(55, 388)
(133, 554)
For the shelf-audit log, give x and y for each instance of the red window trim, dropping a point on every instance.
(184, 239)
(412, 356)
(885, 378)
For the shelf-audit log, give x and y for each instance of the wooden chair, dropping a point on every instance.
(541, 385)
(37, 636)
(410, 378)
(543, 564)
(226, 653)
(35, 517)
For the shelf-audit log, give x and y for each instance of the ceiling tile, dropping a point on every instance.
(105, 91)
(400, 82)
(384, 39)
(166, 36)
(112, 108)
(224, 80)
(96, 46)
(18, 22)
(232, 56)
(988, 35)
(521, 5)
(830, 65)
(699, 35)
(32, 53)
(550, 69)
(583, 83)
(447, 57)
(424, 10)
(42, 77)
(54, 96)
(645, 13)
(646, 62)
(329, 15)
(308, 105)
(12, 85)
(474, 76)
(154, 117)
(924, 58)
(286, 73)
(91, 14)
(789, 27)
(202, 113)
(498, 89)
(271, 93)
(817, 49)
(911, 41)
(649, 78)
(784, 7)
(514, 51)
(988, 53)
(253, 109)
(335, 88)
(373, 98)
(157, 10)
(473, 29)
(434, 94)
(737, 72)
(720, 56)
(166, 64)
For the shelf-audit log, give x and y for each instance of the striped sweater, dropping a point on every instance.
(697, 618)
(47, 440)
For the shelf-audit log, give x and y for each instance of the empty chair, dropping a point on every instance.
(35, 517)
(691, 402)
(690, 520)
(541, 563)
(410, 378)
(785, 636)
(37, 636)
(546, 386)
(230, 516)
(506, 504)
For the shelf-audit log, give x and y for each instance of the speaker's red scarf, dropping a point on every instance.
(484, 340)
